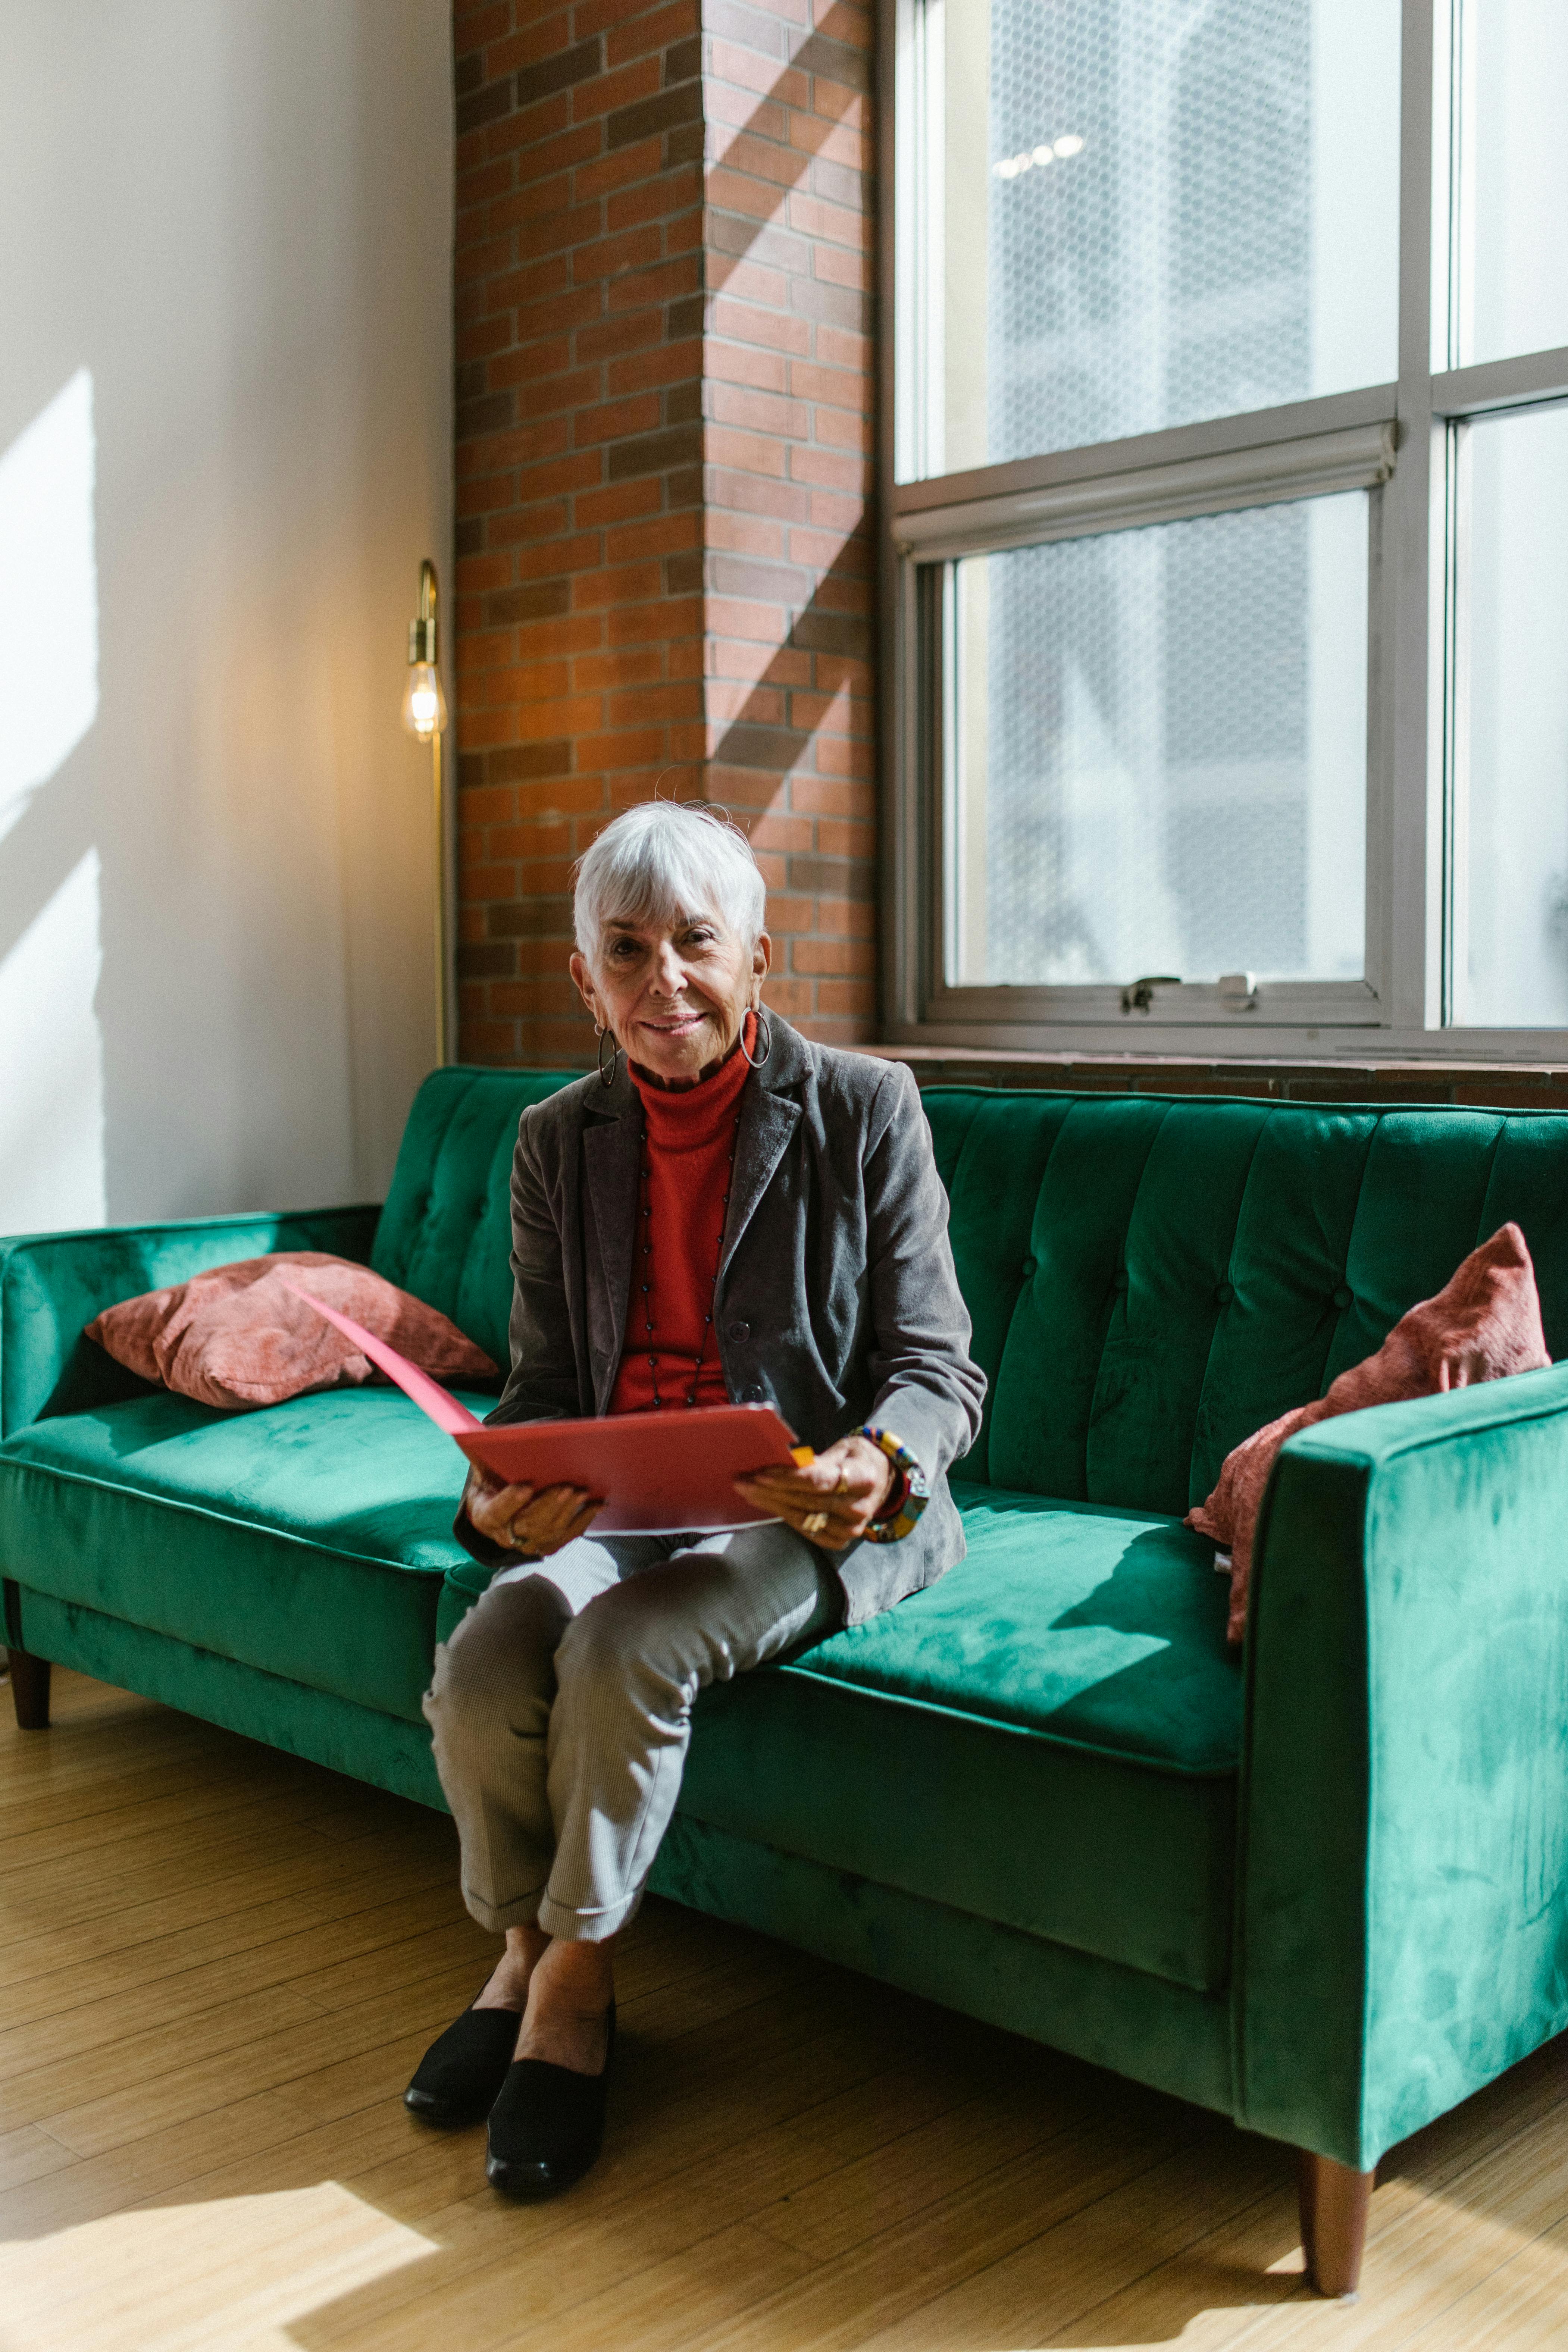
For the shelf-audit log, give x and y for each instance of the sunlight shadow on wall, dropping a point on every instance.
(51, 1065)
(234, 2272)
(51, 1051)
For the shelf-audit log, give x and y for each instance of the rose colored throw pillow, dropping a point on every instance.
(238, 1335)
(1485, 1325)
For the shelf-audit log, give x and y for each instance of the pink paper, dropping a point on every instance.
(431, 1398)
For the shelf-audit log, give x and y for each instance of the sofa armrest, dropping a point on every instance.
(1403, 1871)
(52, 1285)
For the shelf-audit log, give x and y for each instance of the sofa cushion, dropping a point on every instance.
(1048, 1737)
(311, 1539)
(242, 1335)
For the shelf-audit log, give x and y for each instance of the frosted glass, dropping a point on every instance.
(1513, 258)
(1160, 752)
(1143, 215)
(1511, 849)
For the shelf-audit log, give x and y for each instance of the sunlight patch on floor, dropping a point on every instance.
(186, 2278)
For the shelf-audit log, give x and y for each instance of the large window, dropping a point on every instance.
(1226, 503)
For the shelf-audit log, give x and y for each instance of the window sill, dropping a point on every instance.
(1359, 1076)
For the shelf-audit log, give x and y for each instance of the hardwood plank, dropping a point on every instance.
(92, 1837)
(588, 2284)
(164, 1991)
(316, 1924)
(164, 1934)
(598, 2238)
(59, 1800)
(407, 1952)
(27, 2154)
(349, 2148)
(361, 1812)
(1061, 2272)
(104, 2184)
(80, 1811)
(61, 2063)
(1442, 2227)
(231, 2274)
(319, 2054)
(897, 2181)
(668, 2306)
(78, 1694)
(88, 1884)
(95, 1762)
(894, 2277)
(1209, 2293)
(1520, 2306)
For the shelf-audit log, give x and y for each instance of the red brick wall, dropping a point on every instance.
(663, 478)
(787, 405)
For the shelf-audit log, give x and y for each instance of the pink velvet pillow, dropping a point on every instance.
(1483, 1325)
(238, 1335)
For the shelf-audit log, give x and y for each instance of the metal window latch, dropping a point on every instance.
(1138, 995)
(1238, 992)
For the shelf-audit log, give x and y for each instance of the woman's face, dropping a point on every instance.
(675, 994)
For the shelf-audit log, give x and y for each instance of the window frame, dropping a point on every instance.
(1404, 442)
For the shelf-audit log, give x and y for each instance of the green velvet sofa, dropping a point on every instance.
(1323, 1890)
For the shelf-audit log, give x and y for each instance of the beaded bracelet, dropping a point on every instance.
(917, 1488)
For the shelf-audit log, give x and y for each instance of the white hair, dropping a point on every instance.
(664, 859)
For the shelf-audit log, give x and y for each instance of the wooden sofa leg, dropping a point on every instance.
(30, 1690)
(1334, 2202)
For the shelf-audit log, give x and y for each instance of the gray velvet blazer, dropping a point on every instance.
(836, 1300)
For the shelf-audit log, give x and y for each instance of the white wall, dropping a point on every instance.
(224, 444)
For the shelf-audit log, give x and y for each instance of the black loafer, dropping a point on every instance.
(456, 2080)
(547, 2126)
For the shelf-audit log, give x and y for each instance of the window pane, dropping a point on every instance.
(1158, 752)
(1512, 263)
(1138, 215)
(1512, 871)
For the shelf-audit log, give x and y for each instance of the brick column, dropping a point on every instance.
(662, 477)
(788, 377)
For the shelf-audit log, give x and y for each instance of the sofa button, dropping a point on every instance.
(739, 1331)
(752, 1393)
(1341, 1297)
(1121, 1281)
(1224, 1294)
(1027, 1269)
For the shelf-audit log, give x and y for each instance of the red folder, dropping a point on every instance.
(659, 1472)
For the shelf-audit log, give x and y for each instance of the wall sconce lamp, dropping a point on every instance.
(425, 715)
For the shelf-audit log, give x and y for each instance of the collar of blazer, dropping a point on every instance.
(612, 1131)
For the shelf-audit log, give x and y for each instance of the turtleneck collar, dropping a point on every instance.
(687, 1115)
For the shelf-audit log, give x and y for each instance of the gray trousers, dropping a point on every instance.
(561, 1708)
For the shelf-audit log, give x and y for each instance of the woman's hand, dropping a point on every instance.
(844, 1490)
(521, 1520)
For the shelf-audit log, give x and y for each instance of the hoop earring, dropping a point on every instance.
(607, 1078)
(766, 1032)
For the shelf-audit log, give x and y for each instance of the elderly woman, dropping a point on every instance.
(728, 1214)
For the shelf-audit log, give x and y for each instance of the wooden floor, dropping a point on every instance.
(218, 1967)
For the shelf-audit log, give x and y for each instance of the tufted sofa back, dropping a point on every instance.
(1150, 1279)
(446, 1231)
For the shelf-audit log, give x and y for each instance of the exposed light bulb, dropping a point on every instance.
(423, 704)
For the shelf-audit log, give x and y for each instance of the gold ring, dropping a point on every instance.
(814, 1523)
(843, 1485)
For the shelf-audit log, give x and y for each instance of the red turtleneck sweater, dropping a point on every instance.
(687, 1141)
